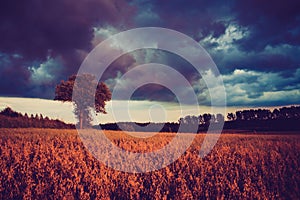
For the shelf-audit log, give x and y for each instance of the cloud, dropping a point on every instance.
(238, 34)
(249, 87)
(228, 55)
(225, 42)
(271, 23)
(43, 78)
(146, 16)
(44, 42)
(195, 18)
(59, 28)
(14, 79)
(22, 78)
(102, 33)
(32, 28)
(45, 72)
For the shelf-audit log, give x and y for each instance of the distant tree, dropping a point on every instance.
(206, 118)
(294, 112)
(248, 114)
(220, 118)
(200, 118)
(10, 113)
(284, 113)
(213, 118)
(181, 120)
(189, 123)
(275, 114)
(231, 116)
(189, 120)
(85, 99)
(239, 115)
(263, 114)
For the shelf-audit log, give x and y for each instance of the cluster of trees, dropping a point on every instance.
(204, 119)
(12, 119)
(292, 112)
(141, 127)
(284, 113)
(185, 124)
(280, 119)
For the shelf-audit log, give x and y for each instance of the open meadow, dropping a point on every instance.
(54, 164)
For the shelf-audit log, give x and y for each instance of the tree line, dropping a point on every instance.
(292, 112)
(12, 119)
(280, 119)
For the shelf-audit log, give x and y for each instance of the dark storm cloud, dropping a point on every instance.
(154, 92)
(265, 25)
(119, 66)
(20, 77)
(259, 37)
(13, 80)
(33, 27)
(270, 23)
(276, 58)
(272, 38)
(195, 18)
(41, 31)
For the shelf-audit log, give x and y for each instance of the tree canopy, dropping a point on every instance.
(84, 98)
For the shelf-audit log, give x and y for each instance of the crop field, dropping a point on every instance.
(54, 164)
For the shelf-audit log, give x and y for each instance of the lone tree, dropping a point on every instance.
(84, 97)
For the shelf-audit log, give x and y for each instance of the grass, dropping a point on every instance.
(54, 164)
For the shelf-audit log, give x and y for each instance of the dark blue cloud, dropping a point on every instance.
(32, 28)
(37, 31)
(267, 24)
(14, 79)
(271, 23)
(195, 18)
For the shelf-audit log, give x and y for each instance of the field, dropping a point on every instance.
(54, 164)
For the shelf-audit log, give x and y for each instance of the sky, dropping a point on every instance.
(254, 44)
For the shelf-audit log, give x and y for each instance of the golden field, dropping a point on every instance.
(54, 164)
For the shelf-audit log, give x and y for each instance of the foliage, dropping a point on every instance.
(280, 119)
(292, 112)
(12, 119)
(84, 98)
